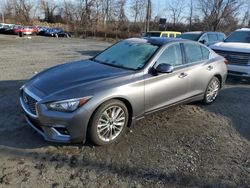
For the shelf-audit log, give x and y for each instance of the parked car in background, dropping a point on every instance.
(6, 28)
(101, 96)
(167, 34)
(207, 38)
(236, 49)
(54, 32)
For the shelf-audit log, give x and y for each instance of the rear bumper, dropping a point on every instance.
(58, 126)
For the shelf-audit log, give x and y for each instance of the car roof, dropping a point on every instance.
(154, 40)
(162, 32)
(202, 32)
(243, 29)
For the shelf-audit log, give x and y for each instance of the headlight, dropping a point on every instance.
(69, 105)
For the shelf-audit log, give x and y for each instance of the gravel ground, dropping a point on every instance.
(186, 146)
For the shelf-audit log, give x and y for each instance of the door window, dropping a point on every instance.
(164, 35)
(193, 52)
(212, 37)
(171, 35)
(172, 55)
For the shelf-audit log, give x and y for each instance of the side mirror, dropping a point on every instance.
(164, 68)
(203, 41)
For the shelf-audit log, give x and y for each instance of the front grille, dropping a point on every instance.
(237, 58)
(30, 103)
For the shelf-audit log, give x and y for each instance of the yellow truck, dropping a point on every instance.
(167, 34)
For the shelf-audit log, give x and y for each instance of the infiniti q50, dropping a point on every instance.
(100, 97)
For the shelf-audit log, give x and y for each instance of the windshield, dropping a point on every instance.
(127, 54)
(153, 34)
(190, 36)
(239, 36)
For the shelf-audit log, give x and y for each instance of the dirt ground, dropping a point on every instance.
(186, 146)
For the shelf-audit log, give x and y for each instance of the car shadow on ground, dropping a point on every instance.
(233, 102)
(89, 52)
(16, 137)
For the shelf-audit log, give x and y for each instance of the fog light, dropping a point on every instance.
(62, 130)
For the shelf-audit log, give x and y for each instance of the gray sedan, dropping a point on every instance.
(100, 97)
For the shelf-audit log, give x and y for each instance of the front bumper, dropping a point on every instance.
(239, 70)
(58, 126)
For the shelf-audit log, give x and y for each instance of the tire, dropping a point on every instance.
(108, 123)
(212, 91)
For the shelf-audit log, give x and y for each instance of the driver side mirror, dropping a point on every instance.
(203, 41)
(164, 68)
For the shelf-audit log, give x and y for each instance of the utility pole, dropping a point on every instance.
(3, 16)
(148, 15)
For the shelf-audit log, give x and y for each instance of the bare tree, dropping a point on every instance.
(22, 9)
(246, 16)
(176, 9)
(215, 12)
(48, 7)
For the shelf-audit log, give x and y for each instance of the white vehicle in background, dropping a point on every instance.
(236, 49)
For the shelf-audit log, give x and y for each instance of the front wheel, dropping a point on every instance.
(212, 91)
(109, 122)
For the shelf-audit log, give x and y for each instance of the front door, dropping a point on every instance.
(166, 88)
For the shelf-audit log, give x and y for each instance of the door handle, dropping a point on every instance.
(210, 67)
(183, 75)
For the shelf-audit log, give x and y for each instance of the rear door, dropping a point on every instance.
(199, 70)
(166, 88)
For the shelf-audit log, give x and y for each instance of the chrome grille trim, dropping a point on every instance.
(236, 58)
(30, 107)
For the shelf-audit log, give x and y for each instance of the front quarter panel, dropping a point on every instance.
(133, 92)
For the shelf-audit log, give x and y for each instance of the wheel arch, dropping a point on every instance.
(220, 78)
(125, 101)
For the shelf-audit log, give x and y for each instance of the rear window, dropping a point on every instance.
(205, 52)
(239, 36)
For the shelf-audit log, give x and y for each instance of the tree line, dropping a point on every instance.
(124, 18)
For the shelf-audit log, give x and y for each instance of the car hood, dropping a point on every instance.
(232, 46)
(85, 74)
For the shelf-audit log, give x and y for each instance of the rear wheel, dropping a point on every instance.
(109, 122)
(212, 91)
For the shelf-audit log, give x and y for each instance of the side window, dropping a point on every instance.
(172, 55)
(171, 35)
(164, 35)
(205, 52)
(212, 37)
(193, 52)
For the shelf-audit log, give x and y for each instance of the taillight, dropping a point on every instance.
(226, 61)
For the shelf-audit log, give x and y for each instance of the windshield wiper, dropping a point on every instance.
(112, 65)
